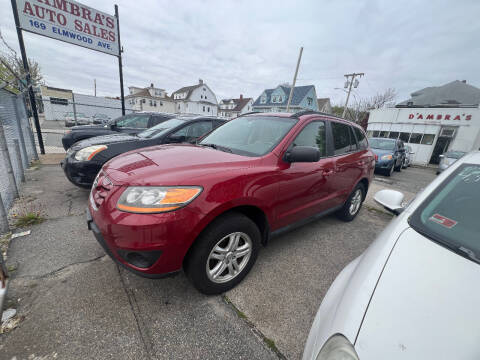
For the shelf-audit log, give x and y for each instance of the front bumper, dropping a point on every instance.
(153, 255)
(383, 164)
(160, 241)
(80, 173)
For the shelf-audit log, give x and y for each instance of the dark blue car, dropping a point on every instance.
(390, 154)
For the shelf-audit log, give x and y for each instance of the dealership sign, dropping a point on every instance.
(419, 116)
(70, 21)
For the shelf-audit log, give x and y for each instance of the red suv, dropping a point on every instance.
(208, 207)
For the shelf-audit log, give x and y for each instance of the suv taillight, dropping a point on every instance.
(376, 157)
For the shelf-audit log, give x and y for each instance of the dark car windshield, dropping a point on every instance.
(250, 135)
(450, 214)
(382, 144)
(454, 154)
(160, 129)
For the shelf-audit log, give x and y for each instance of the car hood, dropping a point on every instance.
(103, 140)
(425, 305)
(380, 152)
(172, 165)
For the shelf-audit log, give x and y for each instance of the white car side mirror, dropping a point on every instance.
(391, 200)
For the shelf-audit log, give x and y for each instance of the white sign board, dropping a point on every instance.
(70, 21)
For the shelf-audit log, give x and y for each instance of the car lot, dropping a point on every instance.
(78, 304)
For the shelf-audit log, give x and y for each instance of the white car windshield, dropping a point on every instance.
(250, 135)
(450, 214)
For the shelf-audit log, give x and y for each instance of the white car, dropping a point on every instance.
(413, 293)
(408, 156)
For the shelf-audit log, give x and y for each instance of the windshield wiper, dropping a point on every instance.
(470, 253)
(217, 147)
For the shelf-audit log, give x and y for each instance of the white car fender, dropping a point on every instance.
(346, 302)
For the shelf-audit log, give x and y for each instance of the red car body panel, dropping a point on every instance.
(284, 192)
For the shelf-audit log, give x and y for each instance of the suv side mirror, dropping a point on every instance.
(302, 154)
(391, 200)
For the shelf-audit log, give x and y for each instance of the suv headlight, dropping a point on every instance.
(387, 157)
(88, 153)
(337, 348)
(153, 199)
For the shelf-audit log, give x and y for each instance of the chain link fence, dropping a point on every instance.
(17, 149)
(59, 110)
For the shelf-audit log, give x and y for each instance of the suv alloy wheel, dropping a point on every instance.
(223, 254)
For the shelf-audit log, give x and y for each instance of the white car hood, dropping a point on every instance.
(425, 306)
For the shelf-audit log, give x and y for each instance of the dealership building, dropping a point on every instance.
(433, 121)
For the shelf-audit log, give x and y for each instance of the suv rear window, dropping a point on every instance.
(449, 215)
(361, 139)
(341, 138)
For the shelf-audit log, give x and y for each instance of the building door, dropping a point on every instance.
(443, 142)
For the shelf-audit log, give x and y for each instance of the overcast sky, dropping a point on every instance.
(246, 46)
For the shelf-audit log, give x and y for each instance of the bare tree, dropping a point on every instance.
(378, 101)
(11, 65)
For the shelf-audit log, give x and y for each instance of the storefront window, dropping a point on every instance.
(393, 135)
(404, 136)
(384, 134)
(376, 133)
(415, 138)
(428, 139)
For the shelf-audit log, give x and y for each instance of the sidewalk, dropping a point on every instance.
(77, 304)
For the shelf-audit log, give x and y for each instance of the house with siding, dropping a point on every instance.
(195, 99)
(149, 99)
(275, 100)
(231, 108)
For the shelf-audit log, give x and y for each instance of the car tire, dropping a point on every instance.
(389, 172)
(352, 206)
(217, 248)
(399, 167)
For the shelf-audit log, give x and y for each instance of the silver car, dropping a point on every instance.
(448, 159)
(408, 156)
(412, 294)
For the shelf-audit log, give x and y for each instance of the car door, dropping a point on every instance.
(347, 161)
(190, 132)
(304, 188)
(133, 123)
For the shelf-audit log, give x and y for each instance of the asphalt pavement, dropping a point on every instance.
(76, 303)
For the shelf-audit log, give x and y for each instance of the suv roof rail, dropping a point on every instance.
(307, 112)
(249, 113)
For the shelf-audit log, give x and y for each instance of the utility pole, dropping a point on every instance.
(349, 83)
(95, 87)
(294, 79)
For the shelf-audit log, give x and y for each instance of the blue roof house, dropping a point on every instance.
(275, 100)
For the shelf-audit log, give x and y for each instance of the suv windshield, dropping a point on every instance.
(449, 216)
(250, 135)
(160, 129)
(382, 144)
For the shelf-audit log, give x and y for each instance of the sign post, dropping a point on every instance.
(31, 95)
(72, 22)
(122, 96)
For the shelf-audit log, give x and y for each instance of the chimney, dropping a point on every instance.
(200, 81)
(241, 96)
(151, 85)
(464, 81)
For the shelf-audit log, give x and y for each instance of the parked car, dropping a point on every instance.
(448, 159)
(208, 207)
(128, 124)
(101, 119)
(82, 119)
(412, 293)
(85, 158)
(389, 154)
(408, 156)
